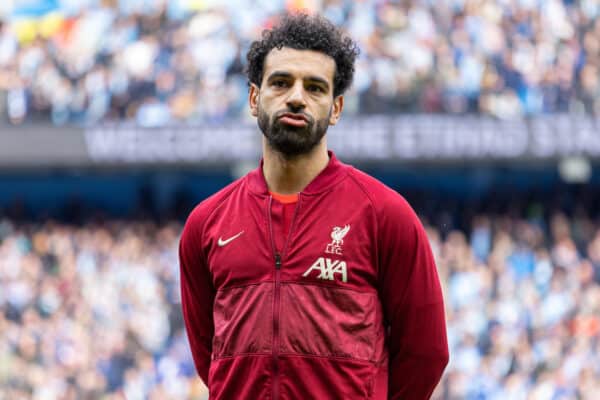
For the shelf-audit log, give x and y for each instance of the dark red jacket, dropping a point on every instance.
(348, 306)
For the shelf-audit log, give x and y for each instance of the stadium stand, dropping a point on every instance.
(156, 62)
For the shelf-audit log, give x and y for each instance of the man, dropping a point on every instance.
(308, 279)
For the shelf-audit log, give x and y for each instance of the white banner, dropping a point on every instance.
(370, 138)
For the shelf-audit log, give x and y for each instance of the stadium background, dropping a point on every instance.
(116, 117)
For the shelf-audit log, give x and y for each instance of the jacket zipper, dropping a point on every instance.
(277, 294)
(276, 327)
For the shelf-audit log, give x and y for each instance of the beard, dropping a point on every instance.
(291, 140)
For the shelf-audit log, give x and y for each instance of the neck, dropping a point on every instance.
(289, 175)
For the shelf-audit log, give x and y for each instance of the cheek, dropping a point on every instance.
(265, 102)
(325, 110)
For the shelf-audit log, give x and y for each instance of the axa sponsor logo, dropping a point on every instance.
(328, 268)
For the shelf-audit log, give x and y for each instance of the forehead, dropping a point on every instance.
(300, 63)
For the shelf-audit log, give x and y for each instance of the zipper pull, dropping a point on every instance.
(277, 261)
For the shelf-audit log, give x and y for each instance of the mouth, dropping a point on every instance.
(297, 120)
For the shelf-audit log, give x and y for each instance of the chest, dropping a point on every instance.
(318, 241)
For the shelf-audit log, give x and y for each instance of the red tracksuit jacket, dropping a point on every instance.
(347, 306)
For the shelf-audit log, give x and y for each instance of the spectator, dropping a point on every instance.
(157, 64)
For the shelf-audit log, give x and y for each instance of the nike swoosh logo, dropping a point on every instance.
(222, 242)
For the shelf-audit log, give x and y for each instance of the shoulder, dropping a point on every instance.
(208, 206)
(190, 244)
(387, 203)
(399, 229)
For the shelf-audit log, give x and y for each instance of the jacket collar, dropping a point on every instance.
(334, 172)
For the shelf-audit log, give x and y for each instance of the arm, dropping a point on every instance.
(197, 295)
(413, 305)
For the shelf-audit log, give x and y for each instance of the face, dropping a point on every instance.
(294, 104)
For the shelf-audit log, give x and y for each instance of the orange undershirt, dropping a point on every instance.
(286, 210)
(285, 198)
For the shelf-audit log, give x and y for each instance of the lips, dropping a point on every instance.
(297, 120)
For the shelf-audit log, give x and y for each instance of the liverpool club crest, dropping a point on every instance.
(337, 236)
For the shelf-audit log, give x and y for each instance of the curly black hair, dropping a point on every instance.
(306, 32)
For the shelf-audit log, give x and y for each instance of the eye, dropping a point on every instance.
(315, 88)
(280, 83)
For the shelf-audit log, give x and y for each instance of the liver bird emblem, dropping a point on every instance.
(338, 235)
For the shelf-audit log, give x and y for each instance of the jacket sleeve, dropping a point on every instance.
(413, 304)
(197, 295)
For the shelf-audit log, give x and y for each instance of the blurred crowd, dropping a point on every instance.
(523, 308)
(93, 310)
(156, 62)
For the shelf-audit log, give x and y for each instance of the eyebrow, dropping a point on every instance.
(287, 75)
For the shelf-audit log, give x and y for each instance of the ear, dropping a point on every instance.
(253, 95)
(336, 111)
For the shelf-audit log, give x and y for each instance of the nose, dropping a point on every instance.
(295, 100)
